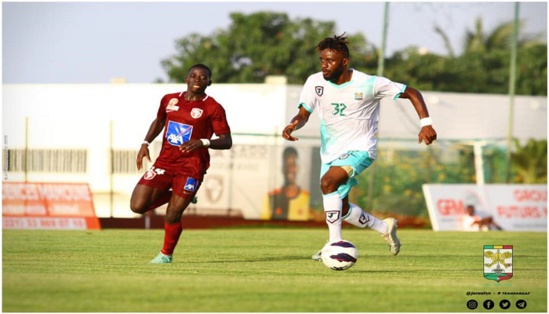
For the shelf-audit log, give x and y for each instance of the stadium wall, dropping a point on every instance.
(91, 133)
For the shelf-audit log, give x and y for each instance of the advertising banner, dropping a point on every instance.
(36, 205)
(514, 207)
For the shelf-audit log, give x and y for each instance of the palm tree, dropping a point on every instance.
(500, 38)
(529, 162)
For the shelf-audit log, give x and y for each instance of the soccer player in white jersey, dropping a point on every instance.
(347, 102)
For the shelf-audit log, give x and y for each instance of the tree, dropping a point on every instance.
(483, 67)
(257, 45)
(529, 162)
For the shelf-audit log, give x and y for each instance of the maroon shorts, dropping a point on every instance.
(183, 185)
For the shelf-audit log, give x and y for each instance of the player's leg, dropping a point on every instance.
(356, 163)
(185, 189)
(152, 190)
(332, 200)
(387, 228)
(332, 177)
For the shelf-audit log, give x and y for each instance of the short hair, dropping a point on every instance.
(202, 66)
(289, 151)
(336, 43)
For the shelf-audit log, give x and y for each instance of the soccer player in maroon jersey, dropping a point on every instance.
(189, 120)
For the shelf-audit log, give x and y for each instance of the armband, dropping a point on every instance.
(205, 142)
(426, 121)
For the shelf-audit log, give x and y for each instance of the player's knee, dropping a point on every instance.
(328, 185)
(138, 207)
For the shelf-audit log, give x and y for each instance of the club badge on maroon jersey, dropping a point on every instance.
(196, 113)
(172, 105)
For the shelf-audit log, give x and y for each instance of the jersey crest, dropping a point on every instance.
(196, 113)
(178, 133)
(319, 90)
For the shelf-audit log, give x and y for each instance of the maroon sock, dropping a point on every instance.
(163, 199)
(171, 236)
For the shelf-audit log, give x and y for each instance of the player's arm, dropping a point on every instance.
(156, 127)
(427, 134)
(296, 123)
(224, 141)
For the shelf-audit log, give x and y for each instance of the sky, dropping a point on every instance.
(93, 42)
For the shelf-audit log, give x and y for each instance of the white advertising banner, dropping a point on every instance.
(514, 207)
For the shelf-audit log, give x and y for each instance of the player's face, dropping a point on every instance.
(198, 80)
(290, 169)
(333, 64)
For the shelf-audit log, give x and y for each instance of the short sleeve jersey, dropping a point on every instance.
(349, 112)
(186, 120)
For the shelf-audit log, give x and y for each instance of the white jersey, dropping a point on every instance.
(349, 112)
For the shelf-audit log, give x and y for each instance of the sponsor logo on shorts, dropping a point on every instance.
(178, 133)
(190, 185)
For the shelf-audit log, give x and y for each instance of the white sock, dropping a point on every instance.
(332, 208)
(357, 217)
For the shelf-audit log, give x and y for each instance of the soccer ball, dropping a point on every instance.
(339, 255)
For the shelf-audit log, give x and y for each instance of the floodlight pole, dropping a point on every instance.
(380, 72)
(512, 83)
(381, 59)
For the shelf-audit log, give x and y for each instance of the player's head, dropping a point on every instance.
(334, 56)
(199, 78)
(470, 210)
(289, 165)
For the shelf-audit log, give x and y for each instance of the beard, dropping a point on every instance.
(333, 76)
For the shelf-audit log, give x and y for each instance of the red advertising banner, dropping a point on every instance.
(38, 205)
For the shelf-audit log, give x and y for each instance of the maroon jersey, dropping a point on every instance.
(186, 120)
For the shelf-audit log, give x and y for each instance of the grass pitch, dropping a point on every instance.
(264, 270)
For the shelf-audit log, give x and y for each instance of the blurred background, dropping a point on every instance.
(81, 83)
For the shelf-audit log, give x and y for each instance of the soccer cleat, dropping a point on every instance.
(317, 256)
(161, 259)
(391, 235)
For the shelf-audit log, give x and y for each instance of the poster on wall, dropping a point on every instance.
(513, 207)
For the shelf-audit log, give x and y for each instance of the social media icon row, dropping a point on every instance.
(504, 304)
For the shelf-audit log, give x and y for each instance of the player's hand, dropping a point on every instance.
(287, 132)
(427, 134)
(143, 153)
(191, 145)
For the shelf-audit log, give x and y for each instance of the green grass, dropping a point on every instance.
(261, 270)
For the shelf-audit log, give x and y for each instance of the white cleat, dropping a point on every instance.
(317, 256)
(391, 235)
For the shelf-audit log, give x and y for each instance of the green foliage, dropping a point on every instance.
(398, 175)
(269, 43)
(529, 162)
(259, 270)
(255, 46)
